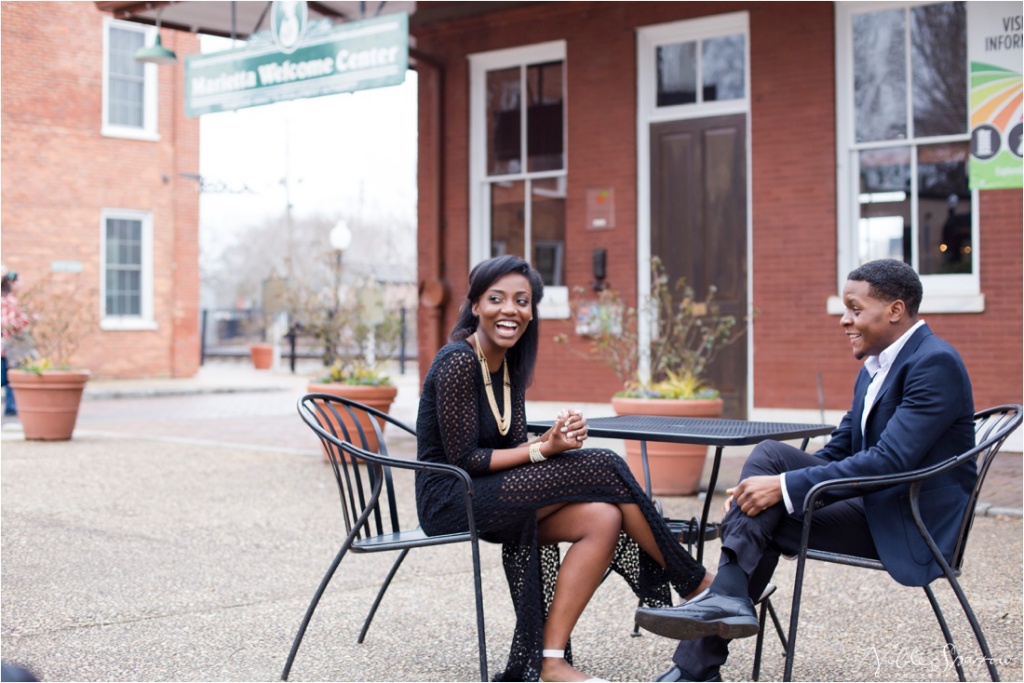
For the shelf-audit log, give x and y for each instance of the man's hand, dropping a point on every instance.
(754, 495)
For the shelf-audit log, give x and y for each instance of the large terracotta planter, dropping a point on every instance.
(380, 398)
(675, 468)
(48, 403)
(262, 356)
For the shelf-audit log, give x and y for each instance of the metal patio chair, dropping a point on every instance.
(991, 428)
(352, 435)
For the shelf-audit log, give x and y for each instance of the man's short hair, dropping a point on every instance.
(890, 280)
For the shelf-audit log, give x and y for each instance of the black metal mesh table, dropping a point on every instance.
(694, 430)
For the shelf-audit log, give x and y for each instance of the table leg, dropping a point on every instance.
(647, 469)
(712, 482)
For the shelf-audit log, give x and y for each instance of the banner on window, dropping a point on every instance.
(994, 55)
(354, 56)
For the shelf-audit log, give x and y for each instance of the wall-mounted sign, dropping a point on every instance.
(994, 54)
(353, 56)
(600, 208)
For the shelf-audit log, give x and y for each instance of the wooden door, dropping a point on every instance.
(699, 226)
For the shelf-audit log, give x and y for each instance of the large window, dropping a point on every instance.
(129, 86)
(518, 167)
(127, 269)
(903, 129)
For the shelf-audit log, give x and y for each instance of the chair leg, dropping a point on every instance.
(314, 602)
(794, 614)
(756, 673)
(778, 625)
(478, 587)
(380, 594)
(945, 632)
(766, 609)
(975, 626)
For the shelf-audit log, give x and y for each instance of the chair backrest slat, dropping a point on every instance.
(347, 429)
(991, 429)
(353, 492)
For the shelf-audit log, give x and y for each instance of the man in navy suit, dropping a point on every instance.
(912, 407)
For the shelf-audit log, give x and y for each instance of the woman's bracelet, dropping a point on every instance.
(535, 454)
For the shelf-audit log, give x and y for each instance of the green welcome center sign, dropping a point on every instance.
(354, 56)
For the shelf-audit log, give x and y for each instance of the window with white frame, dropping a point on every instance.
(129, 86)
(902, 127)
(518, 162)
(127, 283)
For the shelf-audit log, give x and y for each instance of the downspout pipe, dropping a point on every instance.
(434, 290)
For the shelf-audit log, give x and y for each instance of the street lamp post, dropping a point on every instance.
(341, 239)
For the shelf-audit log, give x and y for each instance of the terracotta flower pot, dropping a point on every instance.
(48, 403)
(380, 398)
(262, 356)
(676, 469)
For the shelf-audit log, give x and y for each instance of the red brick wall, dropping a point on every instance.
(794, 209)
(60, 172)
(793, 202)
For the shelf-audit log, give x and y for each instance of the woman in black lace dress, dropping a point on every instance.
(532, 495)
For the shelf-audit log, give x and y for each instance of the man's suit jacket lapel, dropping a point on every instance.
(908, 350)
(859, 393)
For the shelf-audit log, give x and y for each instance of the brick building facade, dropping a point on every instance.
(92, 186)
(800, 227)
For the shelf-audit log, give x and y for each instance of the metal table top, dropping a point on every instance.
(693, 430)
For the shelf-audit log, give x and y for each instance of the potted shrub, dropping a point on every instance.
(686, 334)
(358, 340)
(48, 389)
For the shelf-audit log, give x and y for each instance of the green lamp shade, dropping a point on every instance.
(155, 53)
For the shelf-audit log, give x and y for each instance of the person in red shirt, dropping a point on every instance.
(14, 328)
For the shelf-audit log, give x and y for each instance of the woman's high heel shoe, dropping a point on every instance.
(560, 654)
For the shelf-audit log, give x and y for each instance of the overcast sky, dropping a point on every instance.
(338, 154)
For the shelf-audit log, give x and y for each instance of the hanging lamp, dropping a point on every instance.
(156, 53)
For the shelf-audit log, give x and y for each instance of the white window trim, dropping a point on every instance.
(556, 299)
(648, 39)
(149, 103)
(942, 293)
(144, 321)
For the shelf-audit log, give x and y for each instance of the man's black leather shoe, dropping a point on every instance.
(709, 615)
(677, 674)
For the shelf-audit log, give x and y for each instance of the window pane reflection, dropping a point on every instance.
(879, 75)
(944, 209)
(722, 68)
(126, 78)
(547, 228)
(884, 225)
(545, 129)
(677, 74)
(508, 228)
(938, 59)
(123, 267)
(504, 153)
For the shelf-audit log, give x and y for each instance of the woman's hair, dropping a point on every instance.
(523, 356)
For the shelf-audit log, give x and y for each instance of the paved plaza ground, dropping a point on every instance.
(181, 533)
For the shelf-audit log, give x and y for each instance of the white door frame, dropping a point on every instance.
(648, 113)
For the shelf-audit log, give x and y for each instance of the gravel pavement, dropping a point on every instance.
(182, 532)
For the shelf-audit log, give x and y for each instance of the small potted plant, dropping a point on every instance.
(359, 339)
(48, 389)
(686, 334)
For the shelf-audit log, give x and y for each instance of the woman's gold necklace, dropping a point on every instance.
(504, 421)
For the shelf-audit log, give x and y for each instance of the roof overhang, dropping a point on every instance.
(241, 19)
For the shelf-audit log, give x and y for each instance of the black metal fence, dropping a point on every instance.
(228, 333)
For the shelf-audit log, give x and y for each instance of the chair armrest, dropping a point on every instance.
(386, 417)
(386, 460)
(1007, 419)
(881, 481)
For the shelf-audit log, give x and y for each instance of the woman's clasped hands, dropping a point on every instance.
(569, 430)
